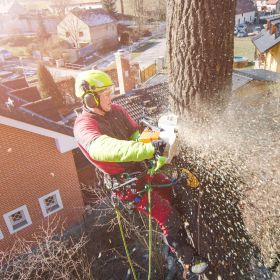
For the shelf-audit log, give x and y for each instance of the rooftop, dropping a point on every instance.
(272, 2)
(143, 101)
(264, 40)
(94, 17)
(245, 6)
(16, 84)
(25, 105)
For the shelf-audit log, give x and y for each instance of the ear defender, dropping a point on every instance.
(91, 101)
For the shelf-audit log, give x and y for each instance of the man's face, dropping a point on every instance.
(105, 99)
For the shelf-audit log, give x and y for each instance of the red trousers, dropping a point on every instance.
(162, 212)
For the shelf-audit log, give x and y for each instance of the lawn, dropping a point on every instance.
(244, 47)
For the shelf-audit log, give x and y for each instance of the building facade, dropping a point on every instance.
(37, 182)
(267, 46)
(39, 179)
(89, 27)
(245, 12)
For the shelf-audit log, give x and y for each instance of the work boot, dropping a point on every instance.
(199, 265)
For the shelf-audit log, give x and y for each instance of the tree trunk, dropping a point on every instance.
(200, 54)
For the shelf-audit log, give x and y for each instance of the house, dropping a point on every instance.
(261, 5)
(82, 28)
(273, 6)
(39, 178)
(29, 23)
(11, 8)
(267, 46)
(245, 12)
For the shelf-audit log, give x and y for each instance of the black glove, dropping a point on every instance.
(159, 146)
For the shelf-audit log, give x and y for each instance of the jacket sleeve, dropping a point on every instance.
(105, 148)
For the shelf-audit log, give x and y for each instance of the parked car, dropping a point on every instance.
(242, 28)
(257, 29)
(242, 34)
(235, 31)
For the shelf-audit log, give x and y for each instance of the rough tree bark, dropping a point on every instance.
(200, 54)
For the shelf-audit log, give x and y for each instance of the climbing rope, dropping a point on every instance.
(198, 219)
(148, 189)
(150, 230)
(124, 242)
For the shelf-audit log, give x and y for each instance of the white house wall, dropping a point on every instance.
(245, 17)
(261, 4)
(73, 25)
(271, 8)
(105, 35)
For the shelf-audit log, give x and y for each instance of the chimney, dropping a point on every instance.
(118, 56)
(124, 72)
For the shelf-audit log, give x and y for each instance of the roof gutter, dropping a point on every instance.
(64, 143)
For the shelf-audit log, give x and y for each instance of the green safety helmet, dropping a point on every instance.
(92, 82)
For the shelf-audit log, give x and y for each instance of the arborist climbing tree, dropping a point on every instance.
(108, 136)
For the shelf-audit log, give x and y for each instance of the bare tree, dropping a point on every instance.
(136, 230)
(110, 6)
(138, 8)
(200, 53)
(71, 29)
(50, 255)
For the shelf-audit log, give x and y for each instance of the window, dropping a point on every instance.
(50, 203)
(81, 34)
(17, 219)
(1, 235)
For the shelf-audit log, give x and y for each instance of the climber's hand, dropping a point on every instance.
(159, 146)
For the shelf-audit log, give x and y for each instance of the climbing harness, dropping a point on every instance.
(128, 182)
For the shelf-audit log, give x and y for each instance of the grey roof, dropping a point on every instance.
(94, 17)
(157, 79)
(260, 74)
(265, 41)
(238, 80)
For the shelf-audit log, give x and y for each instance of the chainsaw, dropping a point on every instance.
(166, 130)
